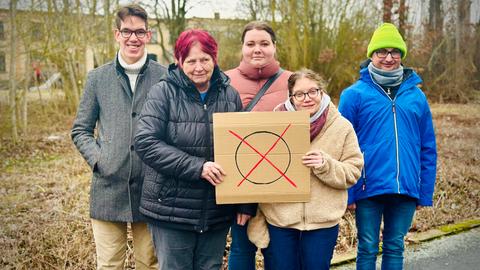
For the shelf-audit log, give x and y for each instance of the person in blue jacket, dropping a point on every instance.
(393, 122)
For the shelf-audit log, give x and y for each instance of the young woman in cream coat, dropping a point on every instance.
(303, 235)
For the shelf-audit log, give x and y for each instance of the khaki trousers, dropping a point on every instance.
(111, 245)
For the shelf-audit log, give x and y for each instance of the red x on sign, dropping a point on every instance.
(264, 156)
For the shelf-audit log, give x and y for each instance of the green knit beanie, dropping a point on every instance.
(386, 36)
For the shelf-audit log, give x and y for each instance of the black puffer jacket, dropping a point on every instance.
(175, 139)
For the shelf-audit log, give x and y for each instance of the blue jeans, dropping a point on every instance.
(302, 250)
(188, 250)
(242, 251)
(397, 212)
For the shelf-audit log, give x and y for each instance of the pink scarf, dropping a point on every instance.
(254, 73)
(315, 126)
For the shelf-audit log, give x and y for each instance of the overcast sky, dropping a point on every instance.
(226, 8)
(229, 9)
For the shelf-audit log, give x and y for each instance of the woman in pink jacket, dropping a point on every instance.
(262, 85)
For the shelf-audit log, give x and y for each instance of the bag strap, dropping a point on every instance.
(262, 91)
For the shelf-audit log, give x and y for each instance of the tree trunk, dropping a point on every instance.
(435, 19)
(72, 97)
(12, 71)
(306, 34)
(273, 9)
(461, 32)
(109, 45)
(24, 110)
(292, 39)
(387, 10)
(402, 15)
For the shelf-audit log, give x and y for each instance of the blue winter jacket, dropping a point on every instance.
(396, 138)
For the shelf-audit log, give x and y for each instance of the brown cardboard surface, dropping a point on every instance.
(261, 153)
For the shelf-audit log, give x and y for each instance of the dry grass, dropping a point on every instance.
(44, 188)
(458, 176)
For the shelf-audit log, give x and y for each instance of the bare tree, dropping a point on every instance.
(307, 34)
(462, 32)
(24, 108)
(387, 10)
(273, 10)
(254, 10)
(172, 17)
(435, 21)
(108, 20)
(13, 67)
(402, 15)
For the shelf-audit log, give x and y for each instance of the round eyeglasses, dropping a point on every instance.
(311, 93)
(382, 53)
(126, 33)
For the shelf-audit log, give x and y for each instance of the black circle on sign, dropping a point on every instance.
(267, 132)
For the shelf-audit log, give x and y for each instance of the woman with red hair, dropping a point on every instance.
(175, 141)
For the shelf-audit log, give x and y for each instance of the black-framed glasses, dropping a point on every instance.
(382, 53)
(126, 33)
(311, 93)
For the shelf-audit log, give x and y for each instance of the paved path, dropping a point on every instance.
(456, 252)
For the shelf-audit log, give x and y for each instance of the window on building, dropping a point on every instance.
(3, 64)
(2, 31)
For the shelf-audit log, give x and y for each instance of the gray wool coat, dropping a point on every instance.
(103, 134)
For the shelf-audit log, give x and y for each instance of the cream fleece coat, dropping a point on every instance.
(328, 185)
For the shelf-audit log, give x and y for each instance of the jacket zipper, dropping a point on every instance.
(396, 145)
(394, 111)
(205, 195)
(364, 171)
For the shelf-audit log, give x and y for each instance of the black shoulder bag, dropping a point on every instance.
(262, 91)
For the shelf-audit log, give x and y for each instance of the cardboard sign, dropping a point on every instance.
(261, 152)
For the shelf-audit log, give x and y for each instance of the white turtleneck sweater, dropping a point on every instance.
(132, 70)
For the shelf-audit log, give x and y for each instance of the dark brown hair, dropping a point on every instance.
(131, 10)
(309, 74)
(258, 25)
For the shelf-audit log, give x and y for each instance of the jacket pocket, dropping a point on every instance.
(166, 190)
(162, 193)
(103, 156)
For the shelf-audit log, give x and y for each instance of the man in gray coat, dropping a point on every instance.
(112, 100)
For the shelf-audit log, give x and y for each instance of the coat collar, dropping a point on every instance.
(121, 70)
(410, 77)
(123, 78)
(177, 77)
(332, 115)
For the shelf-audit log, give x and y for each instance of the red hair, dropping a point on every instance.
(188, 38)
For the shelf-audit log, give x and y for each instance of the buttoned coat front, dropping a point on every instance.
(103, 133)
